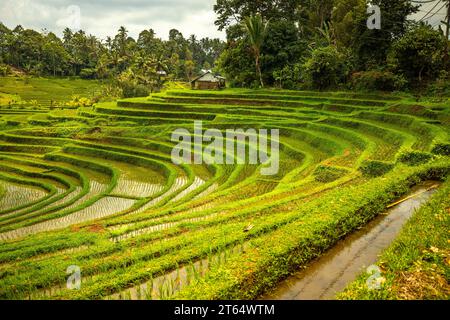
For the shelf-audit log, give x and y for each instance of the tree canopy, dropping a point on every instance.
(308, 39)
(79, 54)
(308, 43)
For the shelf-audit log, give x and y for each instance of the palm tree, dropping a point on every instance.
(121, 39)
(256, 30)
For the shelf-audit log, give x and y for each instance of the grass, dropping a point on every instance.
(44, 91)
(113, 203)
(416, 266)
(6, 99)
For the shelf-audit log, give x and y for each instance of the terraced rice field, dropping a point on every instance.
(44, 91)
(96, 188)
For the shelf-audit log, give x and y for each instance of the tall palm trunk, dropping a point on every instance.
(258, 69)
(256, 30)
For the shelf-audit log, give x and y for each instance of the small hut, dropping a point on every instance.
(208, 81)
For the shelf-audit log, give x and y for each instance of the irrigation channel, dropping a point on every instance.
(328, 275)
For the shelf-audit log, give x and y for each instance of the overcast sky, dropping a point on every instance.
(437, 8)
(103, 17)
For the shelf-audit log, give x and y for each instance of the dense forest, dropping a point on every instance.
(137, 65)
(297, 44)
(322, 44)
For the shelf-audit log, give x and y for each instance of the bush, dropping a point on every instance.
(374, 168)
(87, 74)
(377, 80)
(327, 174)
(414, 158)
(131, 90)
(78, 101)
(326, 68)
(419, 54)
(288, 77)
(441, 87)
(4, 70)
(238, 66)
(442, 149)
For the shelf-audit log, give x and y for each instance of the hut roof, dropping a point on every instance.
(211, 78)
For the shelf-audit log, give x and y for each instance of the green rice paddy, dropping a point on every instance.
(95, 187)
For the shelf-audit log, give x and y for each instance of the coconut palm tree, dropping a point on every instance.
(256, 30)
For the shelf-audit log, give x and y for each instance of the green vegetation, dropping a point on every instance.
(46, 92)
(375, 168)
(416, 265)
(328, 173)
(94, 186)
(273, 257)
(87, 176)
(327, 45)
(441, 149)
(128, 67)
(256, 30)
(414, 158)
(292, 44)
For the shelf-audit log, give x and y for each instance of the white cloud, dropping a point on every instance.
(71, 19)
(103, 18)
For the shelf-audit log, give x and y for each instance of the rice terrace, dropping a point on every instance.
(93, 205)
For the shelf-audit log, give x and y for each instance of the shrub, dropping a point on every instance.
(87, 73)
(419, 54)
(327, 174)
(375, 168)
(288, 77)
(78, 101)
(441, 87)
(238, 65)
(414, 158)
(4, 70)
(131, 90)
(325, 68)
(377, 80)
(442, 149)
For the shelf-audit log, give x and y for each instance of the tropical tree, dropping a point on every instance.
(231, 11)
(121, 41)
(80, 54)
(326, 68)
(189, 65)
(54, 56)
(419, 54)
(256, 29)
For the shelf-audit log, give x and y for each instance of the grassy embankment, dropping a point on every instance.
(343, 158)
(417, 263)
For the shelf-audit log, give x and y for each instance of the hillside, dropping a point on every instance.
(96, 187)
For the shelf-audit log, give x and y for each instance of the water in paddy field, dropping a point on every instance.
(335, 269)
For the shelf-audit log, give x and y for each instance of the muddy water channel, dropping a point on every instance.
(323, 278)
